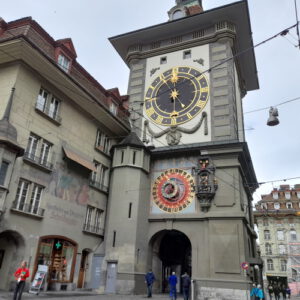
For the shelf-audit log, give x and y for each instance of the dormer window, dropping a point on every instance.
(113, 108)
(276, 205)
(63, 62)
(177, 14)
(275, 195)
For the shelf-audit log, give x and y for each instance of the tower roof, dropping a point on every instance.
(132, 140)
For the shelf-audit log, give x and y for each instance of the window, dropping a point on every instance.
(275, 195)
(129, 210)
(287, 195)
(267, 235)
(293, 235)
(187, 54)
(3, 171)
(48, 104)
(113, 108)
(177, 14)
(294, 274)
(134, 157)
(93, 220)
(298, 194)
(63, 62)
(289, 205)
(38, 151)
(102, 142)
(280, 235)
(99, 178)
(163, 60)
(268, 249)
(264, 206)
(28, 198)
(283, 264)
(282, 249)
(265, 222)
(276, 205)
(270, 265)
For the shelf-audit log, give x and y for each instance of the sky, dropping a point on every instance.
(274, 150)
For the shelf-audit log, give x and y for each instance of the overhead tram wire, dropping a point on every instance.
(297, 20)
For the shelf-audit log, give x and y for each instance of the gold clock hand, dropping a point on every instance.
(182, 105)
(162, 78)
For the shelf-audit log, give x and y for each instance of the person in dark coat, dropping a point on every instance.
(149, 279)
(283, 292)
(172, 284)
(270, 290)
(186, 283)
(276, 292)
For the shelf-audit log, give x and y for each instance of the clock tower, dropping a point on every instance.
(192, 212)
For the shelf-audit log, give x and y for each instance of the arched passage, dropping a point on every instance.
(170, 250)
(12, 246)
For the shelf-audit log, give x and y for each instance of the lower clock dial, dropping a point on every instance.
(173, 190)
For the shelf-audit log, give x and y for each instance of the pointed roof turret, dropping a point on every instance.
(132, 140)
(8, 133)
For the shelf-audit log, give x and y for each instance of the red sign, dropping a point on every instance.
(245, 266)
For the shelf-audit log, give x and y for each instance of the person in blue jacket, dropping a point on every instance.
(259, 293)
(149, 279)
(172, 284)
(253, 292)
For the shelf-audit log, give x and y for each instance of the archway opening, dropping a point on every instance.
(171, 252)
(12, 246)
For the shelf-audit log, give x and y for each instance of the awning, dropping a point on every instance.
(78, 158)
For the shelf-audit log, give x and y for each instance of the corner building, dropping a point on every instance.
(182, 182)
(57, 125)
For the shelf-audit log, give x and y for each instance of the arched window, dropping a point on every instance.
(177, 14)
(268, 248)
(270, 265)
(283, 263)
(267, 235)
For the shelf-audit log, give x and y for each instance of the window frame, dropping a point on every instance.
(64, 62)
(270, 264)
(3, 172)
(268, 249)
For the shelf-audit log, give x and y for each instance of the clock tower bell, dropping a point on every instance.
(193, 213)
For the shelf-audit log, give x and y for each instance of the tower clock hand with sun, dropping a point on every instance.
(176, 96)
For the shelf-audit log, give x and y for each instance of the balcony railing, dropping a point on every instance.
(49, 113)
(98, 185)
(37, 160)
(28, 209)
(93, 229)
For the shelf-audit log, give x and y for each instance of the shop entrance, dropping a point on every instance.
(171, 252)
(83, 268)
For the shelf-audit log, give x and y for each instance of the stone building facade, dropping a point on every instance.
(277, 218)
(58, 124)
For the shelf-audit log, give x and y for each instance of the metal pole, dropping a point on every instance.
(297, 28)
(192, 290)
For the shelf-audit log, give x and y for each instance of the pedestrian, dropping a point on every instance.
(271, 291)
(288, 292)
(21, 274)
(186, 283)
(149, 279)
(283, 292)
(259, 293)
(276, 292)
(172, 284)
(253, 291)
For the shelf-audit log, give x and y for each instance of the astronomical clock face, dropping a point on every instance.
(173, 190)
(176, 96)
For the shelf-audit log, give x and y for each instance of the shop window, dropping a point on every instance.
(267, 235)
(49, 105)
(102, 142)
(268, 248)
(58, 255)
(39, 152)
(28, 198)
(3, 171)
(283, 264)
(270, 265)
